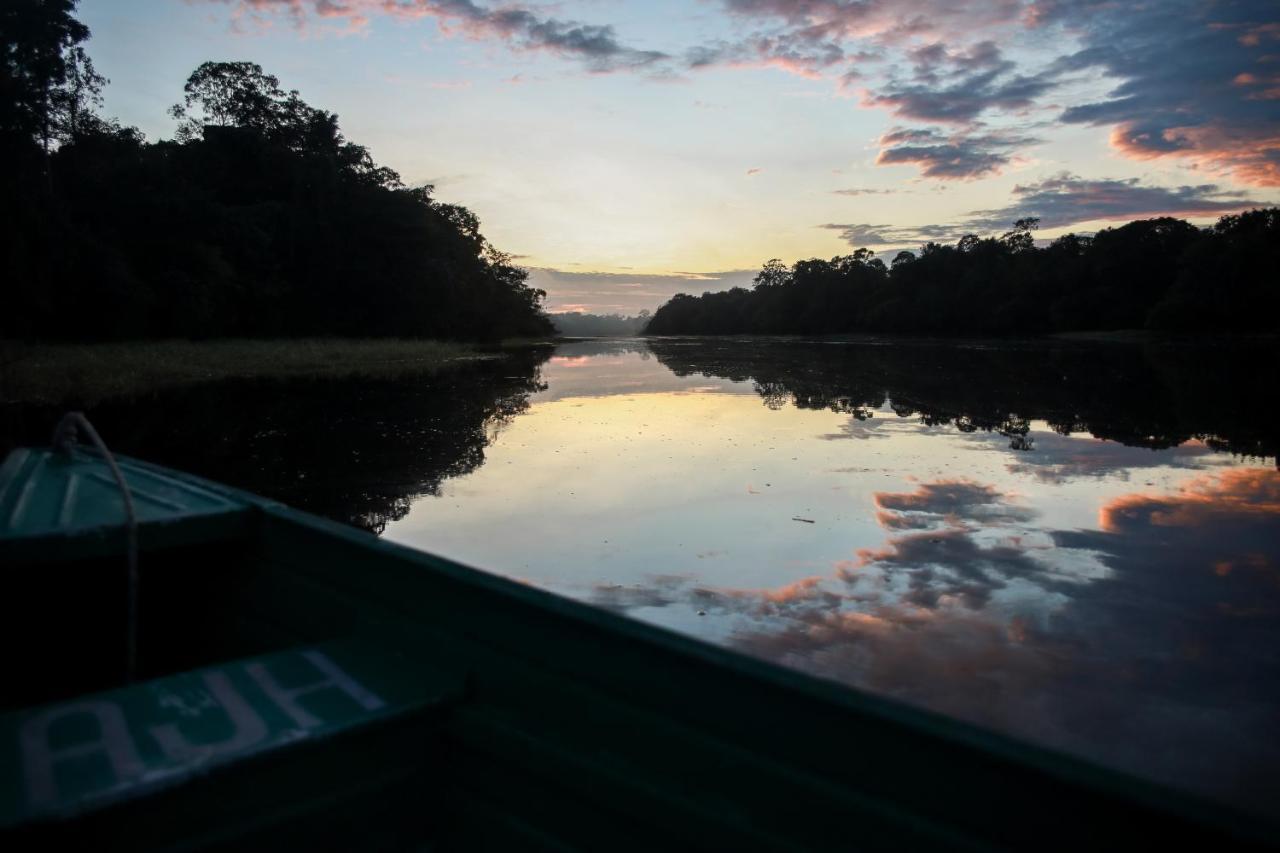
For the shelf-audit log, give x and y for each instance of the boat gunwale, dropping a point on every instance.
(825, 694)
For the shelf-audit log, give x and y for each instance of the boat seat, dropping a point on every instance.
(221, 751)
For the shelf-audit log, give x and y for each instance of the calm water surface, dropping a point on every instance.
(944, 528)
(1076, 544)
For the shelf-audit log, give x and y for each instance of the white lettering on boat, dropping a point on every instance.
(40, 758)
(249, 728)
(113, 741)
(287, 697)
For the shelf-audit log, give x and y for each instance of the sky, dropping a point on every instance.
(624, 151)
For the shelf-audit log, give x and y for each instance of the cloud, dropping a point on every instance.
(1190, 79)
(964, 99)
(859, 235)
(796, 53)
(950, 564)
(930, 58)
(856, 191)
(1066, 199)
(594, 45)
(939, 554)
(1194, 83)
(956, 87)
(1059, 201)
(955, 501)
(754, 171)
(958, 156)
(864, 234)
(881, 21)
(935, 71)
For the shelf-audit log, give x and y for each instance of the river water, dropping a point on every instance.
(1077, 544)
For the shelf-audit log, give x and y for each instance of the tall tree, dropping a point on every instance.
(242, 95)
(76, 101)
(235, 94)
(36, 38)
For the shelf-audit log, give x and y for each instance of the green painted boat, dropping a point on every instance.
(286, 681)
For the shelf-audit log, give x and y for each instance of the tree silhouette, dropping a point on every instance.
(35, 38)
(261, 218)
(1160, 274)
(237, 94)
(76, 101)
(1020, 239)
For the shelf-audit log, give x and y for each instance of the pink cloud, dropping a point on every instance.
(1202, 502)
(1250, 155)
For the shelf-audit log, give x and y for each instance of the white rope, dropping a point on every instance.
(64, 438)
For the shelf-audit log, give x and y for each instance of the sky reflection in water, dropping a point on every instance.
(1115, 601)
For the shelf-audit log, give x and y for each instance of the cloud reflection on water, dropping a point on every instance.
(1147, 644)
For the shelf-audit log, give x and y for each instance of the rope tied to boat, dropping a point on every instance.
(65, 438)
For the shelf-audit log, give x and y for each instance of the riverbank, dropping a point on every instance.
(82, 374)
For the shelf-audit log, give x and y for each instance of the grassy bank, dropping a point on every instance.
(85, 373)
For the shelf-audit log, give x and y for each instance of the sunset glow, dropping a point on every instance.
(626, 152)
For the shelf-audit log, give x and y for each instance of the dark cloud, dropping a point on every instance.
(929, 59)
(1059, 201)
(956, 156)
(962, 99)
(952, 79)
(859, 235)
(947, 564)
(1197, 81)
(800, 53)
(956, 87)
(1193, 79)
(955, 501)
(1066, 199)
(940, 556)
(866, 234)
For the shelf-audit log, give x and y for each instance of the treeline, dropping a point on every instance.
(576, 324)
(1159, 274)
(258, 219)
